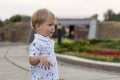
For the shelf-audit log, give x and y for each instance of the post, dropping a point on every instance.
(59, 33)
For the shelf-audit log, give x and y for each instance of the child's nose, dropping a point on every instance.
(53, 27)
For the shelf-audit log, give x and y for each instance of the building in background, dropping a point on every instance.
(79, 28)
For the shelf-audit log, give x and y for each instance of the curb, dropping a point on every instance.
(108, 66)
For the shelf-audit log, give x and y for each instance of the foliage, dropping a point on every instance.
(104, 50)
(15, 18)
(111, 16)
(80, 45)
(96, 41)
(112, 45)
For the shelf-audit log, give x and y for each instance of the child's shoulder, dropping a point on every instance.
(37, 43)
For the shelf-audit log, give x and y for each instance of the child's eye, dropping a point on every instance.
(51, 24)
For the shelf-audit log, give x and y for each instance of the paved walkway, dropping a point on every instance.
(9, 71)
(14, 66)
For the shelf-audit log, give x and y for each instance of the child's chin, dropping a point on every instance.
(51, 35)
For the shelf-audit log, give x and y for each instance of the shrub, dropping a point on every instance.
(80, 45)
(81, 48)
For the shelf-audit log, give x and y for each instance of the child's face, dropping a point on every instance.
(46, 29)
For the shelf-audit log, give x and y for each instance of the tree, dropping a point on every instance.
(109, 15)
(15, 18)
(117, 17)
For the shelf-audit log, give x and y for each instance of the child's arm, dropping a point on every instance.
(34, 60)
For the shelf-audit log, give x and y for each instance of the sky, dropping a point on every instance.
(61, 8)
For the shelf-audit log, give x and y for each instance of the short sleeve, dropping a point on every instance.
(34, 49)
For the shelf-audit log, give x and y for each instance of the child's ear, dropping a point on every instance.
(37, 26)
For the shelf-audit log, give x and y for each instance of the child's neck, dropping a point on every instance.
(42, 35)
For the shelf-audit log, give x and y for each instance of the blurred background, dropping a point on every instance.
(15, 18)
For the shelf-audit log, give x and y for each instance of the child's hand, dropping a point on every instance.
(45, 63)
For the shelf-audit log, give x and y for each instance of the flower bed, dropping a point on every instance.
(102, 50)
(105, 53)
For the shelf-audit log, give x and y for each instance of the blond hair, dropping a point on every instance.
(41, 16)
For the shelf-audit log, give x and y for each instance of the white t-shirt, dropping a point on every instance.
(43, 46)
